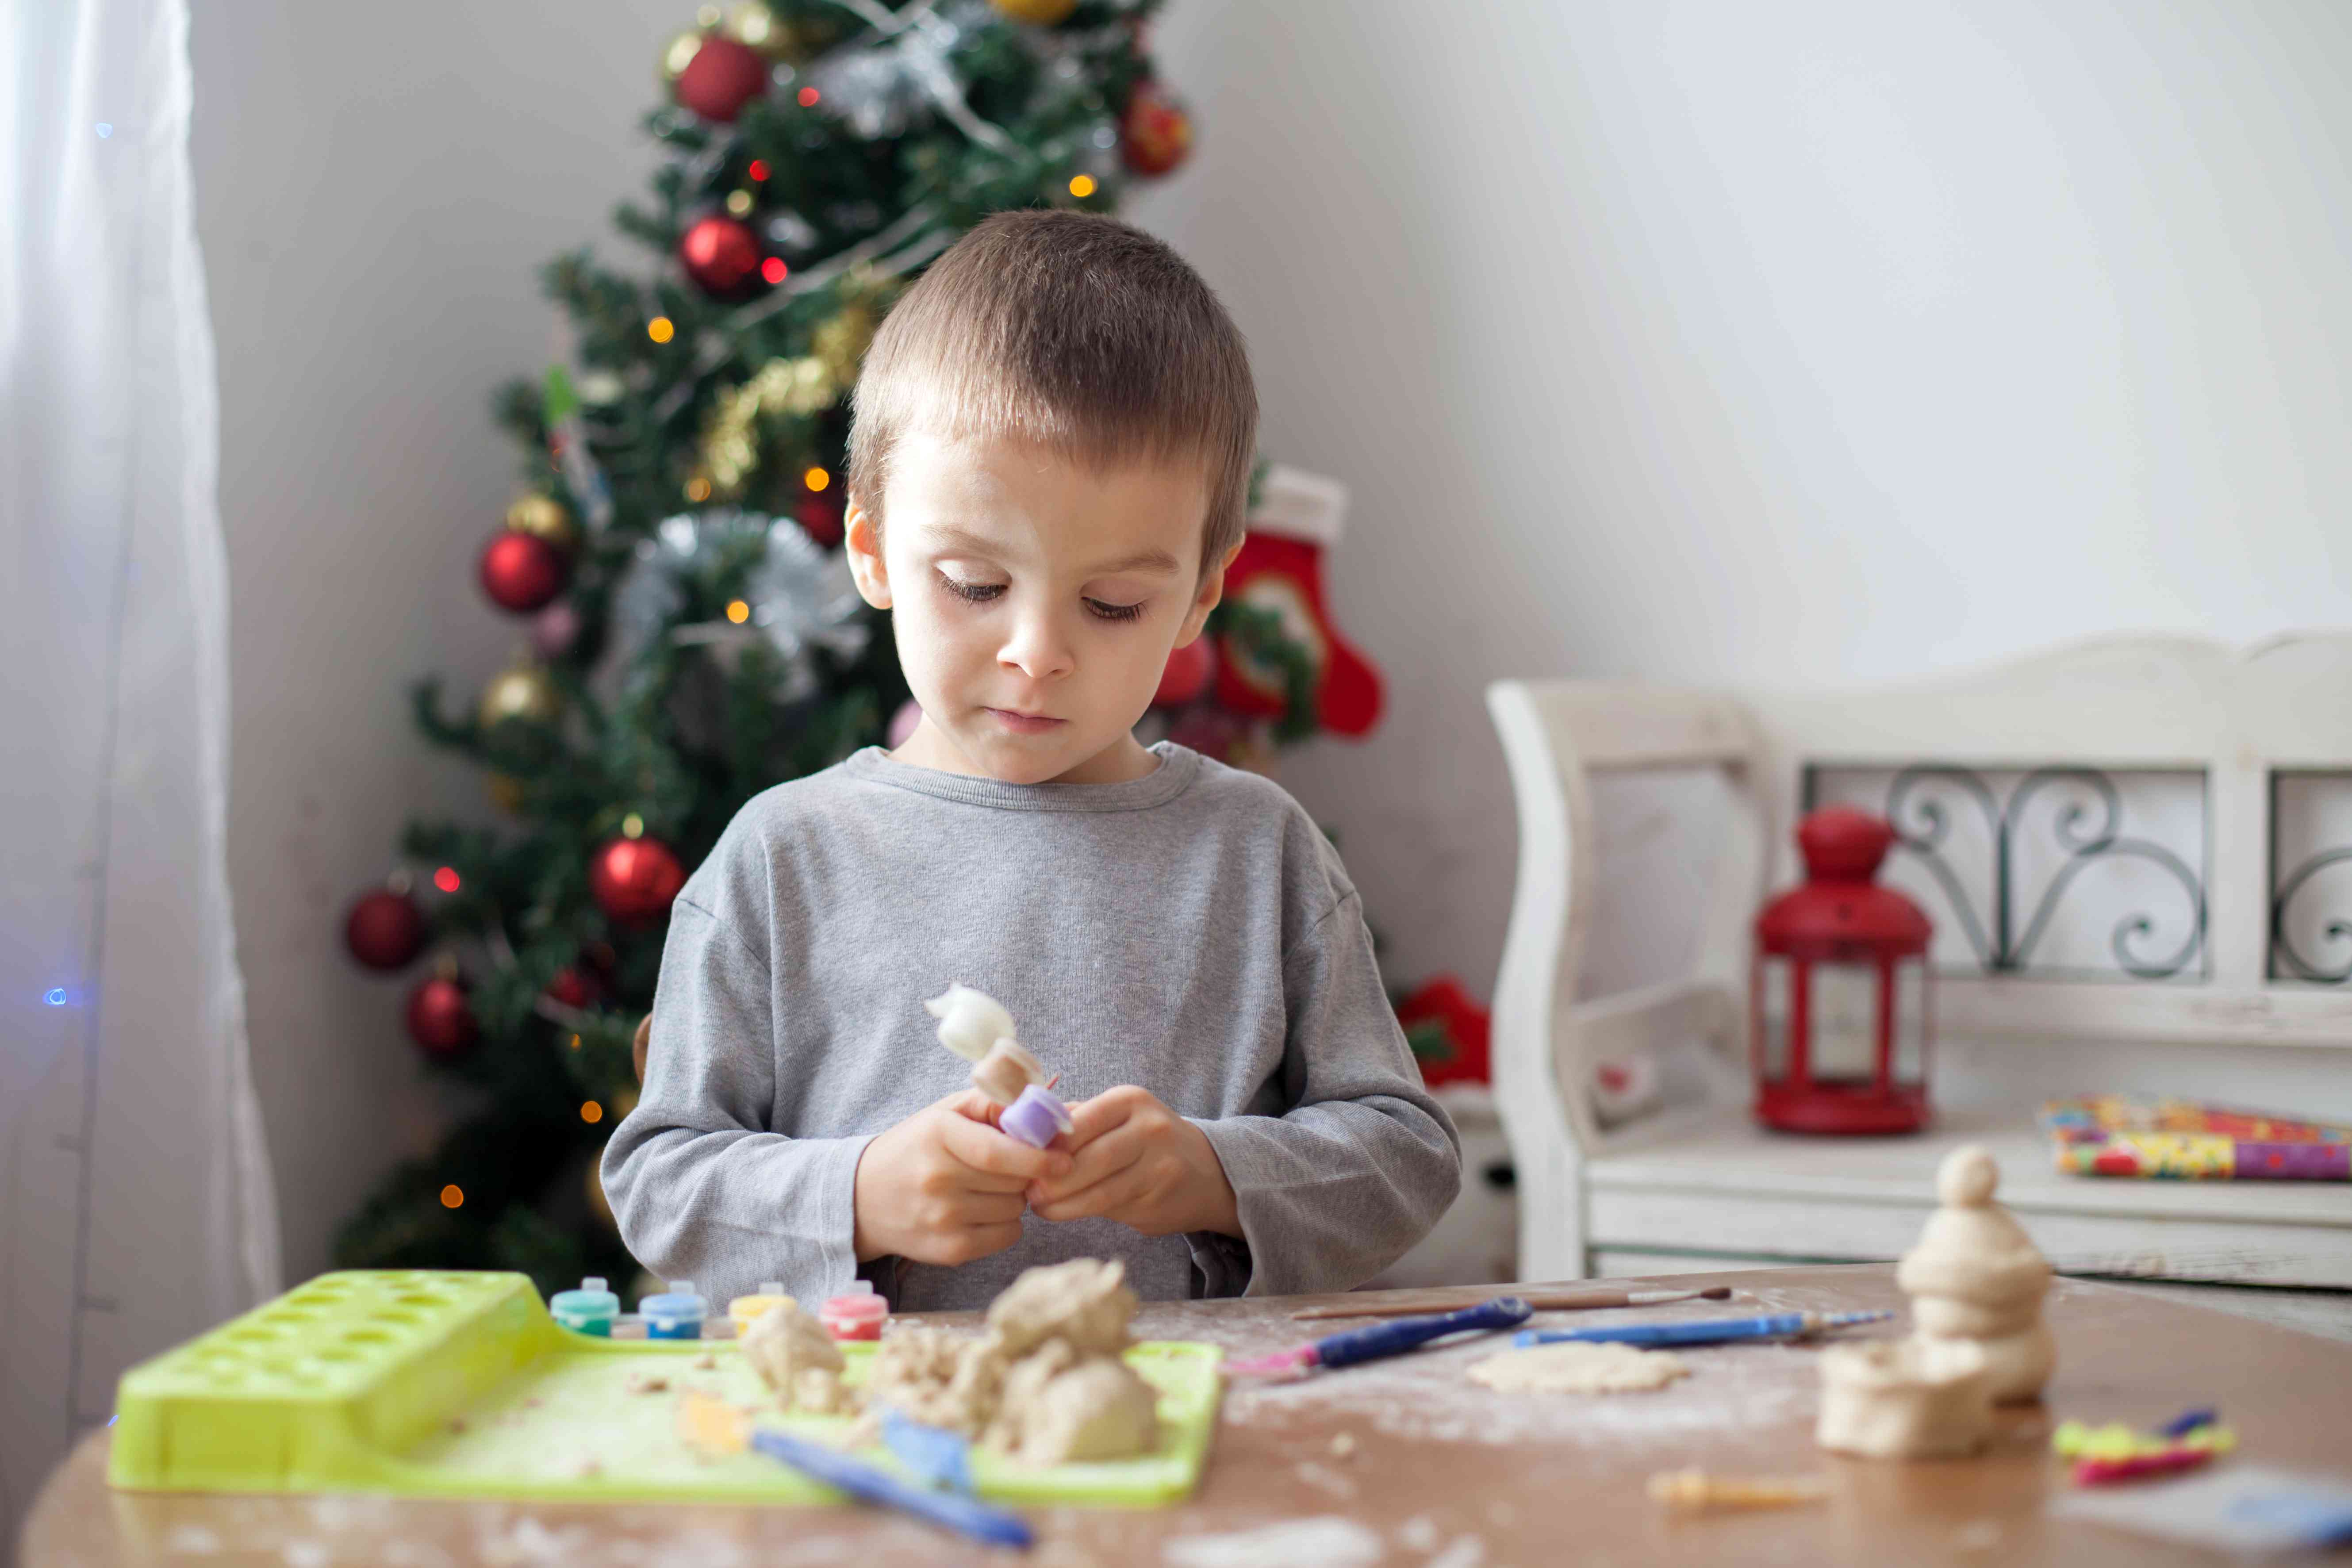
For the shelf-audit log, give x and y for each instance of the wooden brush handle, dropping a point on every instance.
(1421, 1302)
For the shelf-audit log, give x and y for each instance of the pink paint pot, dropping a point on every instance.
(856, 1316)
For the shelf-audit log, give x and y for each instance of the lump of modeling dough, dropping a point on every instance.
(971, 1021)
(1084, 1302)
(794, 1356)
(1097, 1409)
(1046, 1384)
(1006, 1071)
(1603, 1368)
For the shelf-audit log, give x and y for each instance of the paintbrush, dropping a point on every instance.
(711, 1425)
(1705, 1332)
(1382, 1340)
(1420, 1301)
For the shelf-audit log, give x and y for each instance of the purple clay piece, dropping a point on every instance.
(1035, 1118)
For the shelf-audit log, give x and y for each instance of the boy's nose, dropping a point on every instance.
(1037, 650)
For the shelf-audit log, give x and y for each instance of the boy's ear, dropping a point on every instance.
(862, 542)
(1207, 597)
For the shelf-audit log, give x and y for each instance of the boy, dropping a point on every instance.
(1052, 442)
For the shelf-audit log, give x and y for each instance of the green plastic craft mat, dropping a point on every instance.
(429, 1383)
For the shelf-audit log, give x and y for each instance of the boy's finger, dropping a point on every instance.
(986, 1150)
(973, 1105)
(1105, 1157)
(1090, 1119)
(1110, 1196)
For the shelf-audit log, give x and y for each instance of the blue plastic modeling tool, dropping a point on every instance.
(867, 1484)
(1707, 1331)
(942, 1459)
(1385, 1339)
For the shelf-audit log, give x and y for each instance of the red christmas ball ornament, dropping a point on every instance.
(724, 75)
(634, 879)
(821, 516)
(521, 572)
(722, 255)
(573, 987)
(1156, 132)
(440, 1020)
(385, 930)
(1188, 672)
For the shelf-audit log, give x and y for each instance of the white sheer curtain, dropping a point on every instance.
(135, 1200)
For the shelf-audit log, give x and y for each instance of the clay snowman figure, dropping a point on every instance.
(1975, 1277)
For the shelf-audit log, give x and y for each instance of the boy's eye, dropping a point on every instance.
(1116, 612)
(975, 592)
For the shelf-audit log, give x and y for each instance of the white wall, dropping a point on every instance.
(1714, 342)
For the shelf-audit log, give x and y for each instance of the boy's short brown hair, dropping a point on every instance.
(1073, 330)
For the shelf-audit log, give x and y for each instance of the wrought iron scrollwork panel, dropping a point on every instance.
(2009, 925)
(2308, 897)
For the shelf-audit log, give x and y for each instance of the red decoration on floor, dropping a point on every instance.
(723, 76)
(440, 1019)
(634, 879)
(521, 572)
(1443, 1001)
(385, 930)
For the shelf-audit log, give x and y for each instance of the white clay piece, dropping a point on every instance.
(1904, 1399)
(1046, 1384)
(1578, 1369)
(798, 1360)
(1976, 1276)
(979, 1029)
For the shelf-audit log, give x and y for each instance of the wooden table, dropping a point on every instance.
(1443, 1473)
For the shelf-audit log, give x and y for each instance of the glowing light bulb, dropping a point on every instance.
(1082, 186)
(739, 202)
(697, 489)
(633, 826)
(808, 97)
(575, 1042)
(759, 170)
(661, 329)
(445, 879)
(774, 270)
(816, 478)
(738, 611)
(452, 1196)
(591, 1112)
(55, 996)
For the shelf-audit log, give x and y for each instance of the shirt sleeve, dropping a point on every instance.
(1363, 1161)
(703, 1189)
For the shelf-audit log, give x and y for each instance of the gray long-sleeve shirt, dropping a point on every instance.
(1191, 932)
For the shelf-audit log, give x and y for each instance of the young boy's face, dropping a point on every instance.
(1034, 602)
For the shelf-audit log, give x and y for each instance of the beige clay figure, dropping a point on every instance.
(977, 1027)
(1904, 1399)
(1976, 1277)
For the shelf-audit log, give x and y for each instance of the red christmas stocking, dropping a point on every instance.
(1280, 568)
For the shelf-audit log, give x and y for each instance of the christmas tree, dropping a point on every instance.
(694, 635)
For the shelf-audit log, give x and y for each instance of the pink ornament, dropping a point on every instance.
(903, 723)
(555, 628)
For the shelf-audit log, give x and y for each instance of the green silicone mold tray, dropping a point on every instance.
(434, 1384)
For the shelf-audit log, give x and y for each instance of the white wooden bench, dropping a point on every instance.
(2227, 985)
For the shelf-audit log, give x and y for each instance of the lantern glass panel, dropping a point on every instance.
(1844, 1023)
(1911, 1020)
(1772, 1018)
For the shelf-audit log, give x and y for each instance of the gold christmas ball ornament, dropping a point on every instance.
(545, 517)
(678, 55)
(753, 25)
(1038, 12)
(523, 693)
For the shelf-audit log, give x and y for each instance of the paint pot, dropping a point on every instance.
(743, 1309)
(857, 1314)
(1035, 1118)
(676, 1314)
(587, 1310)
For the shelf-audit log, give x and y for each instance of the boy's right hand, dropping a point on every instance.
(945, 1187)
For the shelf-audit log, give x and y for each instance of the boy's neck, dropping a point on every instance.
(1124, 758)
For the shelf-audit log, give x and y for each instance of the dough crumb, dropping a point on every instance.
(1604, 1368)
(707, 1362)
(1343, 1446)
(457, 1424)
(645, 1383)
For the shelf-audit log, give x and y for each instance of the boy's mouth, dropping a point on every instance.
(1024, 723)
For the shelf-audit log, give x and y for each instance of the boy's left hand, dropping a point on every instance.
(1134, 1161)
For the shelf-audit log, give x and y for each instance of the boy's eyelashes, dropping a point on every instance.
(983, 592)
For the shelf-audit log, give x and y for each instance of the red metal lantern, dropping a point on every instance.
(1838, 1018)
